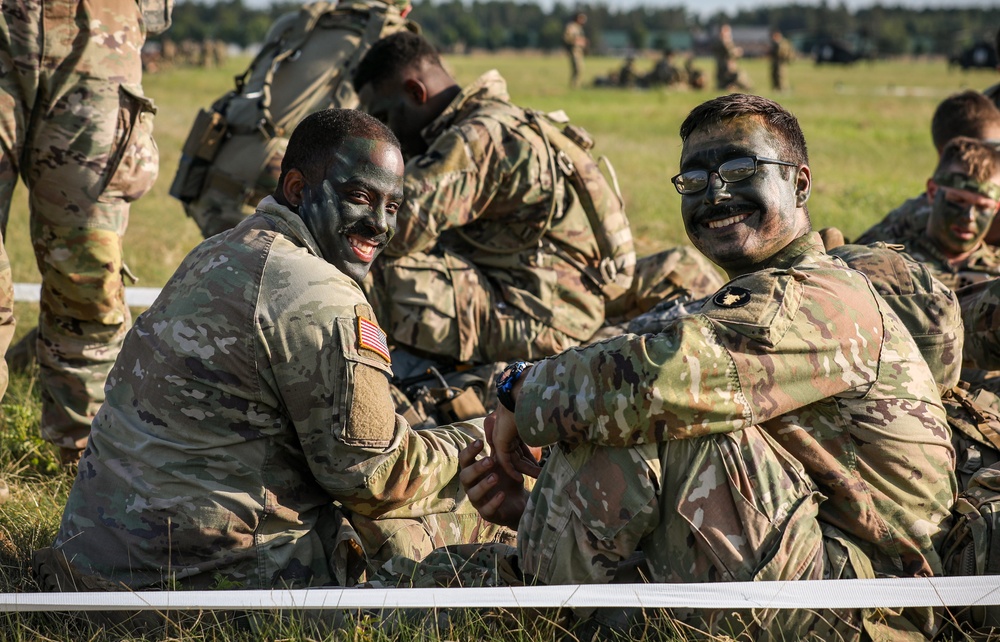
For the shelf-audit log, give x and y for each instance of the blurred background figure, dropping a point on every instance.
(781, 53)
(576, 42)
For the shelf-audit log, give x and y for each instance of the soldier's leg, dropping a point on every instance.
(91, 153)
(441, 305)
(670, 274)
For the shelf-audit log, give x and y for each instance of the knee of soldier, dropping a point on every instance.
(588, 510)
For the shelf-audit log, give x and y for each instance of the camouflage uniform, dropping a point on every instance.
(315, 77)
(903, 222)
(464, 277)
(248, 417)
(981, 315)
(74, 124)
(791, 430)
(780, 54)
(573, 36)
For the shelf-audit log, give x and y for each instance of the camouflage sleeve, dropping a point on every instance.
(449, 186)
(328, 363)
(766, 344)
(981, 317)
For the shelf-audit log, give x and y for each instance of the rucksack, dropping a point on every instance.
(232, 156)
(570, 147)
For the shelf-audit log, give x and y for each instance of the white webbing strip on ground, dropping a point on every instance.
(891, 593)
(136, 297)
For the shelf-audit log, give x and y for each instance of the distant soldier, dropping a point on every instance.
(665, 72)
(781, 53)
(695, 75)
(575, 42)
(76, 127)
(967, 113)
(233, 154)
(727, 72)
(168, 51)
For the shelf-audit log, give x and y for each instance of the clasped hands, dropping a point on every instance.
(495, 484)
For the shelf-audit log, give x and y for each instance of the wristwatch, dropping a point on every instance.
(506, 381)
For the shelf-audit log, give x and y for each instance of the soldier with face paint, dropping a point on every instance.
(789, 430)
(963, 197)
(249, 438)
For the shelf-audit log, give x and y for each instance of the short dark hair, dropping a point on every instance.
(967, 113)
(775, 117)
(390, 56)
(979, 160)
(319, 136)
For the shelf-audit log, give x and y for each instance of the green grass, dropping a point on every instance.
(868, 129)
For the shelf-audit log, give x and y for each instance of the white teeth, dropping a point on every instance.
(361, 244)
(714, 225)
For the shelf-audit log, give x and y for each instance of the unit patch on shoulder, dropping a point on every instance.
(732, 297)
(371, 337)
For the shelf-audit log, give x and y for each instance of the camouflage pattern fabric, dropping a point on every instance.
(248, 419)
(908, 219)
(76, 127)
(981, 315)
(806, 351)
(728, 75)
(464, 264)
(6, 313)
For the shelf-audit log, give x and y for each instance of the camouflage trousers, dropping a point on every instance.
(442, 305)
(732, 507)
(75, 126)
(575, 65)
(6, 313)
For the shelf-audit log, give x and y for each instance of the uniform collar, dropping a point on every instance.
(289, 223)
(788, 256)
(489, 86)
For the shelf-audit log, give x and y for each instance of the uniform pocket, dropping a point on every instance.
(134, 160)
(156, 15)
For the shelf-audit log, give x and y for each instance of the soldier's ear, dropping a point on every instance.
(932, 189)
(803, 185)
(416, 90)
(292, 188)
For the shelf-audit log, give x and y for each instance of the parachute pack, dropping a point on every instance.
(232, 156)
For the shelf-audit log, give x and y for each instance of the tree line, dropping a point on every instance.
(498, 24)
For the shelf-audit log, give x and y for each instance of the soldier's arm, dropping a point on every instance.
(981, 317)
(332, 375)
(449, 186)
(755, 353)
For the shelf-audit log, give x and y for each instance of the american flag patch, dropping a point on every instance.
(371, 337)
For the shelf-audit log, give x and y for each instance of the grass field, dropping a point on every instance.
(868, 129)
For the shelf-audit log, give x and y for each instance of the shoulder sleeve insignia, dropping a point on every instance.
(371, 337)
(732, 297)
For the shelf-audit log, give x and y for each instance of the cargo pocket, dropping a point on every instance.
(156, 15)
(418, 292)
(134, 160)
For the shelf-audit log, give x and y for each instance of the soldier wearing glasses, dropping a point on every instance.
(790, 430)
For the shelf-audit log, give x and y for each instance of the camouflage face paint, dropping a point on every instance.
(740, 225)
(959, 221)
(352, 213)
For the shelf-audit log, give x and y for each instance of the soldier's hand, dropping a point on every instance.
(499, 497)
(513, 455)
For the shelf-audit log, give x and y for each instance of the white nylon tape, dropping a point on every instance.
(842, 594)
(136, 297)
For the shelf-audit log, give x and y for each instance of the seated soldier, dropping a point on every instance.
(665, 72)
(964, 114)
(248, 439)
(963, 196)
(499, 255)
(789, 430)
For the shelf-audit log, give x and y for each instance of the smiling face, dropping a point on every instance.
(959, 218)
(741, 225)
(352, 213)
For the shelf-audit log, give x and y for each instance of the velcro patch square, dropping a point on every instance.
(371, 337)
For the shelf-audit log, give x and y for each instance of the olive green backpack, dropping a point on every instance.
(232, 156)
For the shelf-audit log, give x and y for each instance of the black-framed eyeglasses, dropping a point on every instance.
(732, 171)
